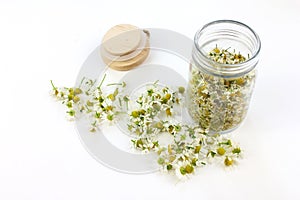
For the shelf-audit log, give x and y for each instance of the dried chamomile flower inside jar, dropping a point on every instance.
(222, 75)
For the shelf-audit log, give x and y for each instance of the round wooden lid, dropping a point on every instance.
(125, 46)
(122, 39)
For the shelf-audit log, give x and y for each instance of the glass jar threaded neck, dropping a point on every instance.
(227, 34)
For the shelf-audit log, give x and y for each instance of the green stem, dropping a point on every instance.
(54, 88)
(111, 84)
(102, 81)
(81, 82)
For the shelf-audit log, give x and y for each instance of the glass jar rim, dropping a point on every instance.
(256, 53)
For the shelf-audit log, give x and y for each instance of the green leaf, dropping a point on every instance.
(236, 150)
(211, 153)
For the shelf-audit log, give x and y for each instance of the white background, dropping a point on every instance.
(41, 156)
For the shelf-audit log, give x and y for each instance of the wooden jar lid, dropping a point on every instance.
(125, 46)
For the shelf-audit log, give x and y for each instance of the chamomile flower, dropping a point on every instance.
(153, 114)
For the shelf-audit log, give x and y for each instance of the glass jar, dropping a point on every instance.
(222, 74)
